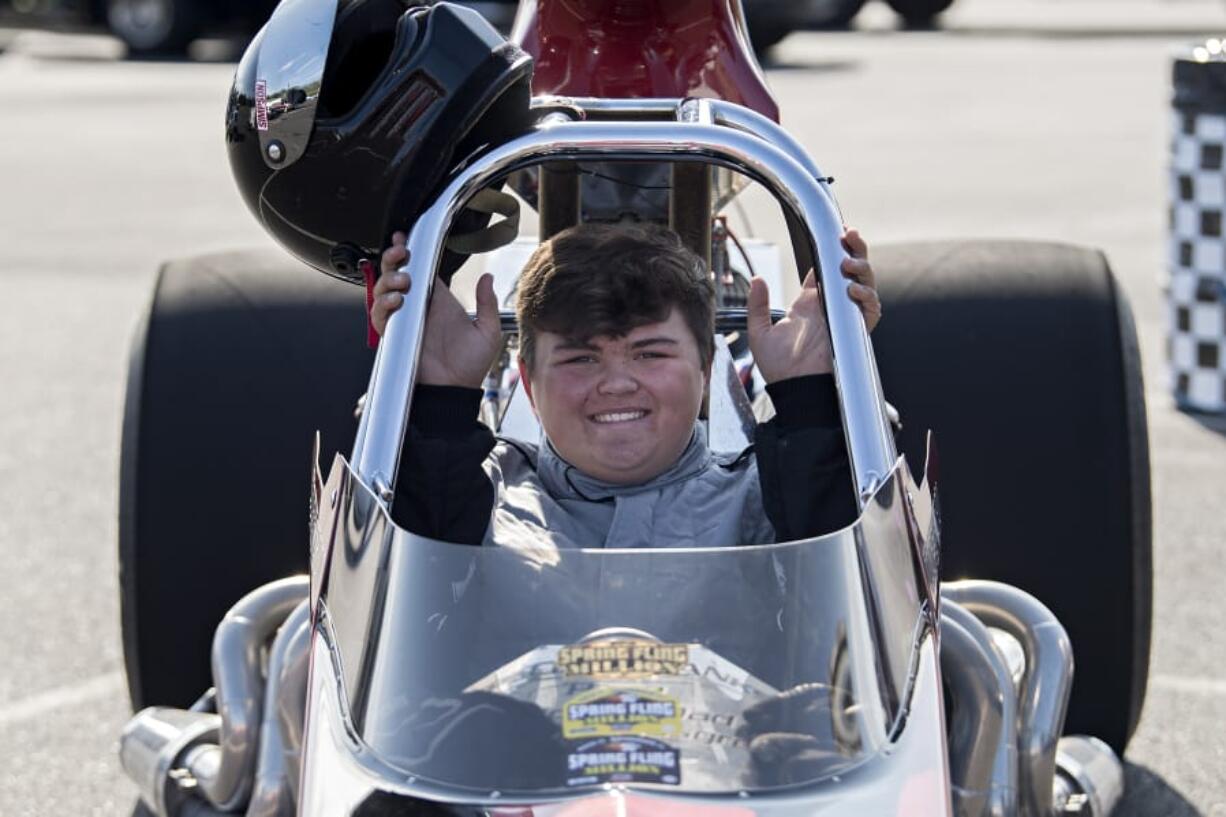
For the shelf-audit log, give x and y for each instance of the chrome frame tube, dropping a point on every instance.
(643, 106)
(692, 109)
(727, 319)
(1000, 697)
(274, 789)
(224, 772)
(1046, 681)
(865, 420)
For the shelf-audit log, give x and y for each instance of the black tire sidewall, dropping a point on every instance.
(1022, 358)
(240, 359)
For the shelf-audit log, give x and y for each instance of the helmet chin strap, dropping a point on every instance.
(491, 202)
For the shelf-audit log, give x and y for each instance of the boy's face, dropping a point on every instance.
(619, 409)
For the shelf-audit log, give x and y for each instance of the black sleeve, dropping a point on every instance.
(441, 489)
(802, 460)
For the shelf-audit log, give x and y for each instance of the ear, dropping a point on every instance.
(525, 380)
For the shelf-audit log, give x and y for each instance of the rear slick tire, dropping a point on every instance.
(241, 357)
(1023, 359)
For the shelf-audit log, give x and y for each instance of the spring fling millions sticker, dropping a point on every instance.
(629, 658)
(622, 760)
(611, 712)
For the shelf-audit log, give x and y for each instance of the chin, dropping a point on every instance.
(621, 470)
(622, 473)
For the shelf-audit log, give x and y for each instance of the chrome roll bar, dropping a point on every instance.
(750, 144)
(691, 110)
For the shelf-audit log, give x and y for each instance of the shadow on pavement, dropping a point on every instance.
(1148, 795)
(1212, 422)
(781, 62)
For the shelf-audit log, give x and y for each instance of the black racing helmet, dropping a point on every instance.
(347, 115)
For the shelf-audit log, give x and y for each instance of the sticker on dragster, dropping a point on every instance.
(624, 658)
(610, 712)
(623, 760)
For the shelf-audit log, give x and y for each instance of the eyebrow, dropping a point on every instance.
(571, 345)
(638, 344)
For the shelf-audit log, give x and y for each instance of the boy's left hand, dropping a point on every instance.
(799, 344)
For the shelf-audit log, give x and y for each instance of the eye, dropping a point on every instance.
(578, 359)
(649, 355)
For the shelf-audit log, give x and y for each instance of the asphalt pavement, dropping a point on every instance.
(1020, 118)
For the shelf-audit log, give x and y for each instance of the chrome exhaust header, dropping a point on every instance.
(280, 739)
(1047, 677)
(184, 761)
(1034, 770)
(982, 721)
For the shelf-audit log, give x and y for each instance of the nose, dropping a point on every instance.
(616, 380)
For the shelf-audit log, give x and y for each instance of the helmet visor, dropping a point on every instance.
(289, 75)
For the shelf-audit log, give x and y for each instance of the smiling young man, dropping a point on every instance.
(616, 342)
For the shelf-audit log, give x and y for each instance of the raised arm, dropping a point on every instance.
(802, 455)
(442, 490)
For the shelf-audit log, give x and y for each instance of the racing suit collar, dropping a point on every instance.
(564, 481)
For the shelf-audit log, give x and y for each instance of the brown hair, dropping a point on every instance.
(606, 279)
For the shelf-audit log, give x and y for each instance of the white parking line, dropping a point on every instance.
(113, 683)
(1196, 686)
(65, 696)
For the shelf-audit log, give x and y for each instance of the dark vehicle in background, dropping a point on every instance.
(168, 27)
(771, 20)
(147, 27)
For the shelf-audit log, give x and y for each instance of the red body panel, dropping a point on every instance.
(629, 49)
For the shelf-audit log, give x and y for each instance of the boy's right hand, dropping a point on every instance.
(456, 350)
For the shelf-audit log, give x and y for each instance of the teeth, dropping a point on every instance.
(619, 416)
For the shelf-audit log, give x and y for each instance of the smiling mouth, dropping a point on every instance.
(608, 417)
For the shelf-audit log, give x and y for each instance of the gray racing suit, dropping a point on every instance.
(457, 482)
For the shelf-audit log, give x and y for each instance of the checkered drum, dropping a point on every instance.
(1196, 346)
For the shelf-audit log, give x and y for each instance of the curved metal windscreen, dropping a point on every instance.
(705, 670)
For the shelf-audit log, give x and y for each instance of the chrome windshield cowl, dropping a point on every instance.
(829, 624)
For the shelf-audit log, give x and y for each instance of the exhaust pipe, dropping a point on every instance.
(152, 744)
(1089, 777)
(198, 764)
(224, 770)
(1046, 680)
(276, 775)
(983, 717)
